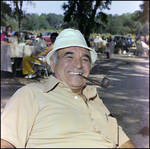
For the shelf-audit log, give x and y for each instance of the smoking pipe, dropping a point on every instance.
(104, 83)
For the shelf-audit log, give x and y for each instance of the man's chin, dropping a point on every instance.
(76, 85)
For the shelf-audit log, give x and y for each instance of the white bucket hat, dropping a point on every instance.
(68, 38)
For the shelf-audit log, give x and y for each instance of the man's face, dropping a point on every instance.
(9, 30)
(71, 62)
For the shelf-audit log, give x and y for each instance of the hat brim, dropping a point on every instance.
(92, 52)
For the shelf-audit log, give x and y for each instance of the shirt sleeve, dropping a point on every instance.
(18, 117)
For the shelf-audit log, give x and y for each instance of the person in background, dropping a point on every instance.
(100, 37)
(104, 41)
(97, 43)
(144, 46)
(64, 112)
(27, 65)
(145, 39)
(101, 44)
(27, 36)
(21, 38)
(7, 32)
(53, 38)
(17, 35)
(109, 39)
(40, 42)
(129, 42)
(105, 46)
(124, 45)
(129, 37)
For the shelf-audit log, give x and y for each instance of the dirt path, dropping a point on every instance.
(127, 97)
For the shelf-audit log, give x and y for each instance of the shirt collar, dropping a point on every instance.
(89, 91)
(51, 83)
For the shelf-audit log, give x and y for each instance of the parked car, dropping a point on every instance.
(46, 36)
(25, 32)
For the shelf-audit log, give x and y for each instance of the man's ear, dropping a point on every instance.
(52, 64)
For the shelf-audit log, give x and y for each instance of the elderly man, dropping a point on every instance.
(64, 112)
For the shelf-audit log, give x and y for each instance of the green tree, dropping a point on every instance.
(12, 22)
(143, 14)
(30, 22)
(84, 13)
(43, 24)
(114, 25)
(55, 21)
(5, 10)
(17, 11)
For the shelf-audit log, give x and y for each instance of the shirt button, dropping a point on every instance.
(76, 97)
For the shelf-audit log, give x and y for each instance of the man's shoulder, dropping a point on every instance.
(35, 86)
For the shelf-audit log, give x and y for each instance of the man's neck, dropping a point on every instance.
(77, 91)
(80, 93)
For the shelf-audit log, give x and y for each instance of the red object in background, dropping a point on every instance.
(46, 36)
(2, 36)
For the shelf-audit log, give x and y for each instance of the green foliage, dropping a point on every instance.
(5, 10)
(84, 13)
(143, 14)
(10, 21)
(44, 21)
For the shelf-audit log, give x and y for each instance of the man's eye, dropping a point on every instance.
(85, 59)
(70, 57)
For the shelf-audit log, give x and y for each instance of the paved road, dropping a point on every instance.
(127, 97)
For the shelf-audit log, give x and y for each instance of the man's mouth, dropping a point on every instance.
(75, 73)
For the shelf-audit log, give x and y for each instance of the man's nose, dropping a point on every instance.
(77, 63)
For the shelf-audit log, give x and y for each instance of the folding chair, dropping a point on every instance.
(39, 67)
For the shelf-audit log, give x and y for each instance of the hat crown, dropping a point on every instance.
(69, 37)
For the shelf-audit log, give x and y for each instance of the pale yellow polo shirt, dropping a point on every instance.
(50, 115)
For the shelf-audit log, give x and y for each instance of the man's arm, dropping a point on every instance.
(128, 144)
(5, 144)
(50, 48)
